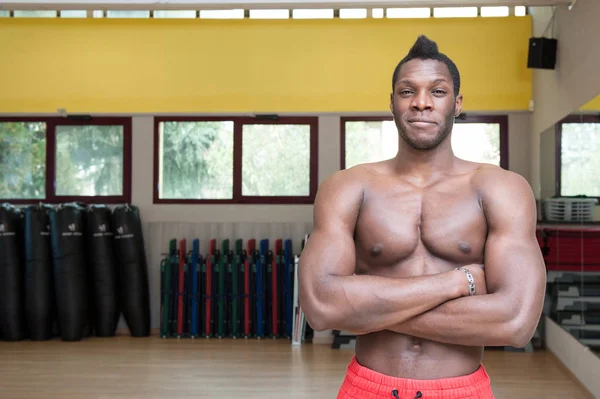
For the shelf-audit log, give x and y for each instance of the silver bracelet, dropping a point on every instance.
(471, 280)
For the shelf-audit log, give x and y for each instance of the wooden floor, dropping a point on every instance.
(153, 368)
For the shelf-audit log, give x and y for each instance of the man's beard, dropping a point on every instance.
(427, 144)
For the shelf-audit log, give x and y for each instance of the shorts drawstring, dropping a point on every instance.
(395, 394)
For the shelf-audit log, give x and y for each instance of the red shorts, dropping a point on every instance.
(363, 383)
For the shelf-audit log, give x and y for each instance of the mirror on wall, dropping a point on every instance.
(569, 229)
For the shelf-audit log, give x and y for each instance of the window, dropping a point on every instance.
(454, 12)
(520, 11)
(73, 14)
(312, 13)
(174, 14)
(475, 138)
(62, 160)
(235, 160)
(499, 11)
(35, 14)
(237, 13)
(128, 14)
(353, 13)
(408, 12)
(269, 14)
(578, 156)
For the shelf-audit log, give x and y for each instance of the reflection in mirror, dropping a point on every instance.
(569, 229)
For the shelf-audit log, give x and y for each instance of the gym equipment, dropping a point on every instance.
(194, 273)
(249, 288)
(40, 302)
(221, 289)
(166, 290)
(288, 282)
(103, 272)
(236, 289)
(12, 303)
(232, 292)
(181, 288)
(209, 303)
(70, 275)
(261, 262)
(133, 275)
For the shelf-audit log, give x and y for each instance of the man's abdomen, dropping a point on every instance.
(402, 356)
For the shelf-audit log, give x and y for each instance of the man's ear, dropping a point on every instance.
(458, 105)
(392, 103)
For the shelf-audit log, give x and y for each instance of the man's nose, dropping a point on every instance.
(422, 101)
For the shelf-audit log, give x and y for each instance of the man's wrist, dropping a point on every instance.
(467, 282)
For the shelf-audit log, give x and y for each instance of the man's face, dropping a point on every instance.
(423, 103)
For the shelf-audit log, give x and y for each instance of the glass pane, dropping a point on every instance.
(454, 12)
(73, 14)
(270, 14)
(580, 159)
(22, 160)
(35, 14)
(520, 11)
(98, 14)
(196, 160)
(408, 12)
(222, 14)
(127, 14)
(312, 14)
(477, 142)
(501, 11)
(370, 141)
(377, 13)
(89, 160)
(4, 13)
(353, 13)
(276, 160)
(174, 14)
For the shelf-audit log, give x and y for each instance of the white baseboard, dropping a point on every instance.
(577, 358)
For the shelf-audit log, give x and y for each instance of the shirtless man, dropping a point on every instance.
(396, 244)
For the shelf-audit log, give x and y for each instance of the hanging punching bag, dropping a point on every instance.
(103, 270)
(40, 308)
(12, 315)
(133, 269)
(70, 277)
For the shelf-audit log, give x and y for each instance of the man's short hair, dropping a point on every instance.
(426, 49)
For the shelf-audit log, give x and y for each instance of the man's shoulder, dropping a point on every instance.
(503, 192)
(490, 179)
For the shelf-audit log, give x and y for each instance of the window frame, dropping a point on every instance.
(587, 118)
(50, 179)
(238, 123)
(501, 120)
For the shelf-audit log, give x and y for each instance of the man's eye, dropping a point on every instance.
(405, 92)
(439, 91)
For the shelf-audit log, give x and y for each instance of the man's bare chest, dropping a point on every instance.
(444, 222)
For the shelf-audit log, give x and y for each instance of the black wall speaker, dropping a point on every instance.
(542, 53)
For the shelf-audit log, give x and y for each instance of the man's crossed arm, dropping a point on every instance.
(428, 306)
(515, 275)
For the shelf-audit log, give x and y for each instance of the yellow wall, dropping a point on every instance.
(198, 66)
(593, 105)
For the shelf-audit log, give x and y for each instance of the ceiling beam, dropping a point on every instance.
(257, 4)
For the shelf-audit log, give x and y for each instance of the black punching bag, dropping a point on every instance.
(12, 290)
(133, 269)
(40, 302)
(103, 270)
(70, 276)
